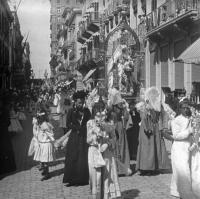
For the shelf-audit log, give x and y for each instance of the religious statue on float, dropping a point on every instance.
(125, 71)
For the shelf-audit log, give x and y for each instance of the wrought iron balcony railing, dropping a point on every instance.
(93, 17)
(90, 55)
(115, 7)
(92, 22)
(169, 11)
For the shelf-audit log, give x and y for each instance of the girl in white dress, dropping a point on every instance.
(34, 144)
(180, 155)
(104, 183)
(45, 136)
(15, 125)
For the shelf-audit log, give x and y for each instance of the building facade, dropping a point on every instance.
(56, 26)
(12, 67)
(132, 43)
(96, 38)
(6, 19)
(70, 47)
(169, 28)
(56, 22)
(91, 62)
(17, 51)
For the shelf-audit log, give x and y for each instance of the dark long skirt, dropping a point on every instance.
(76, 170)
(132, 137)
(152, 154)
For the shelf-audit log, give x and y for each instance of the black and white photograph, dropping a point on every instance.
(100, 99)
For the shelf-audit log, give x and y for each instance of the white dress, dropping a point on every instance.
(195, 171)
(180, 157)
(34, 144)
(45, 136)
(15, 125)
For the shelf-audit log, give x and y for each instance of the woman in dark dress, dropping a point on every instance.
(7, 159)
(133, 132)
(76, 170)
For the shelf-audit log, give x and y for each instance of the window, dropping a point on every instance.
(58, 19)
(58, 10)
(58, 27)
(153, 5)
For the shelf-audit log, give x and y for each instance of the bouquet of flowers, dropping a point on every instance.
(196, 128)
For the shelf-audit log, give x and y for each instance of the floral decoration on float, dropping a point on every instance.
(195, 121)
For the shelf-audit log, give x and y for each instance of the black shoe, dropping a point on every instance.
(70, 184)
(45, 171)
(46, 177)
(40, 168)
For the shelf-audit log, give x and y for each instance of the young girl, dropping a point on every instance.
(34, 145)
(102, 167)
(45, 136)
(20, 112)
(15, 126)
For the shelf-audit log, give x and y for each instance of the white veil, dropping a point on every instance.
(152, 96)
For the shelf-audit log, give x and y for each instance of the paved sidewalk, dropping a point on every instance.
(25, 182)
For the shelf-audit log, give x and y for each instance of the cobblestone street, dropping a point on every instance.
(25, 182)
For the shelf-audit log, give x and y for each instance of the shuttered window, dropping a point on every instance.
(153, 68)
(179, 47)
(195, 68)
(195, 73)
(164, 53)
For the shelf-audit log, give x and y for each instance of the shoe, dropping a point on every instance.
(45, 171)
(45, 178)
(70, 184)
(40, 168)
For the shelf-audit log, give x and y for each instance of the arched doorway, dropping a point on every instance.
(121, 46)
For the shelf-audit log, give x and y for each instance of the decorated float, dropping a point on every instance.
(123, 58)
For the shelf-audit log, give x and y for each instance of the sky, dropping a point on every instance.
(34, 17)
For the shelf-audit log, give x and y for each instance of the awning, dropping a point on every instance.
(191, 54)
(89, 74)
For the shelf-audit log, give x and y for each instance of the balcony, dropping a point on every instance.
(88, 60)
(115, 7)
(172, 12)
(93, 22)
(83, 33)
(80, 39)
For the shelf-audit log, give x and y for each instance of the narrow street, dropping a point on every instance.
(25, 182)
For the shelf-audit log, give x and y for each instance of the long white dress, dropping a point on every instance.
(195, 171)
(104, 183)
(180, 157)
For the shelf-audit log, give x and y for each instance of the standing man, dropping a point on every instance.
(76, 158)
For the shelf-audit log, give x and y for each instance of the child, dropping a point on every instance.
(102, 165)
(20, 112)
(34, 145)
(15, 126)
(45, 136)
